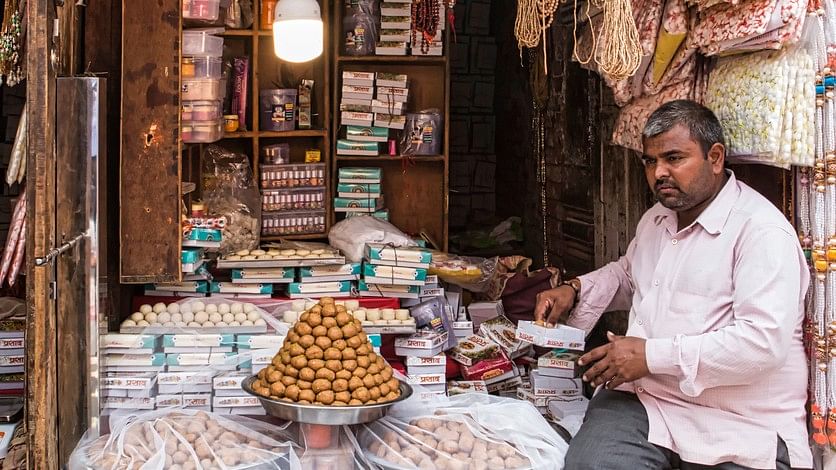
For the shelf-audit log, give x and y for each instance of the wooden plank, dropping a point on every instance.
(150, 167)
(41, 398)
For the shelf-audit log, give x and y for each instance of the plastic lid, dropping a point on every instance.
(210, 31)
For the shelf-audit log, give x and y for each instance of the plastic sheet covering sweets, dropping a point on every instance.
(766, 103)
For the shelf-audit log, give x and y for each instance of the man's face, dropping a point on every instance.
(677, 170)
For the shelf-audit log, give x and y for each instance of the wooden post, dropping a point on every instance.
(41, 398)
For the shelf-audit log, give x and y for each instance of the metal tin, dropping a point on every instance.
(328, 415)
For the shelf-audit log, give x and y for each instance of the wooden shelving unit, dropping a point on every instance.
(154, 161)
(415, 189)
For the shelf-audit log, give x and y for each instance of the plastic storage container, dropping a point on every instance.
(202, 131)
(276, 154)
(204, 10)
(292, 199)
(201, 110)
(202, 89)
(278, 109)
(292, 223)
(203, 42)
(303, 175)
(201, 67)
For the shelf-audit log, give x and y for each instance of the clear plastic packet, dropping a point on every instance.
(186, 439)
(352, 234)
(468, 431)
(422, 133)
(229, 190)
(470, 273)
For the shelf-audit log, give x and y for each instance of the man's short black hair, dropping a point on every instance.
(701, 122)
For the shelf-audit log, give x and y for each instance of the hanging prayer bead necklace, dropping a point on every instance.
(425, 20)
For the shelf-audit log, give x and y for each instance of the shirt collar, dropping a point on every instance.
(714, 217)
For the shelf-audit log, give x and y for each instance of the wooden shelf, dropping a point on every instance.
(272, 134)
(393, 59)
(387, 158)
(310, 236)
(238, 32)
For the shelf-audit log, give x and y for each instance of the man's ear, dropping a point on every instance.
(717, 157)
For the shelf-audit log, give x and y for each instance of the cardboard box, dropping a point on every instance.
(394, 275)
(559, 363)
(298, 290)
(184, 388)
(376, 290)
(421, 344)
(389, 121)
(473, 349)
(358, 78)
(503, 332)
(356, 92)
(393, 79)
(116, 341)
(462, 329)
(410, 257)
(427, 380)
(483, 311)
(263, 275)
(559, 337)
(561, 407)
(360, 175)
(492, 370)
(128, 381)
(264, 356)
(185, 378)
(505, 385)
(432, 365)
(358, 191)
(554, 386)
(366, 134)
(140, 360)
(458, 387)
(356, 119)
(235, 402)
(273, 342)
(228, 384)
(198, 341)
(128, 403)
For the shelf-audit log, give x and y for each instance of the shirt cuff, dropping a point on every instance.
(661, 356)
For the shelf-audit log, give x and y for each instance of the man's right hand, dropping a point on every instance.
(553, 305)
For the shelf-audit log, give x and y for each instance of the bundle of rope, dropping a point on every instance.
(617, 53)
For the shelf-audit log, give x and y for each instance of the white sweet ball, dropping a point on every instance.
(182, 308)
(168, 323)
(159, 307)
(151, 317)
(128, 322)
(228, 317)
(240, 317)
(211, 308)
(164, 317)
(193, 324)
(260, 322)
(235, 323)
(198, 306)
(223, 308)
(201, 317)
(208, 324)
(173, 308)
(253, 315)
(137, 316)
(373, 314)
(142, 323)
(156, 323)
(236, 307)
(176, 317)
(360, 315)
(246, 323)
(221, 323)
(215, 317)
(289, 316)
(180, 323)
(188, 317)
(145, 308)
(249, 308)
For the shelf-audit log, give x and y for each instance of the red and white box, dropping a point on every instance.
(473, 349)
(490, 371)
(546, 386)
(563, 364)
(559, 337)
(421, 344)
(426, 365)
(431, 382)
(458, 387)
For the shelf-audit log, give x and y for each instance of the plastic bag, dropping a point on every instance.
(422, 133)
(468, 431)
(352, 234)
(470, 273)
(229, 191)
(185, 439)
(239, 14)
(360, 33)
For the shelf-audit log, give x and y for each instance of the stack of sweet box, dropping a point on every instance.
(395, 27)
(359, 192)
(554, 386)
(371, 104)
(192, 371)
(394, 272)
(12, 359)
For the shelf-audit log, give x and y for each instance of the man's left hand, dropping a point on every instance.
(621, 360)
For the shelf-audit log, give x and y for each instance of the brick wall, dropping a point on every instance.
(472, 120)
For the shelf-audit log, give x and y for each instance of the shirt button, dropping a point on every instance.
(640, 390)
(656, 283)
(674, 241)
(641, 322)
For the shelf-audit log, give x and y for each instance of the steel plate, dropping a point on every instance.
(329, 415)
